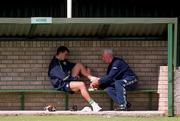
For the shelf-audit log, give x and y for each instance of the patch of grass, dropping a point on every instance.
(85, 118)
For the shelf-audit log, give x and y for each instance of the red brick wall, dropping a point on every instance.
(24, 64)
(163, 89)
(9, 101)
(177, 92)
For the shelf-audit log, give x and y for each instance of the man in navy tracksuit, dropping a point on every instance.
(117, 80)
(64, 76)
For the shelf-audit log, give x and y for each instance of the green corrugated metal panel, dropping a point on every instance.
(136, 29)
(83, 30)
(14, 29)
(76, 27)
(68, 30)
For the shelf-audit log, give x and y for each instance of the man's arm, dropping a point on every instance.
(116, 69)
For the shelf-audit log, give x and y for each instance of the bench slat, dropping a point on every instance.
(56, 91)
(66, 102)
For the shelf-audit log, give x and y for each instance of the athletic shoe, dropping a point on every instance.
(96, 107)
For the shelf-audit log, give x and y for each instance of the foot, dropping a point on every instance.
(74, 108)
(121, 108)
(128, 105)
(93, 78)
(86, 109)
(91, 89)
(96, 108)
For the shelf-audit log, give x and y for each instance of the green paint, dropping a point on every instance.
(170, 69)
(22, 95)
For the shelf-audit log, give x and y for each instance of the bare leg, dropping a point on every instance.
(76, 86)
(79, 69)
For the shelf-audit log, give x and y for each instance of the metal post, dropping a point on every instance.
(66, 101)
(111, 104)
(178, 44)
(22, 100)
(150, 100)
(69, 8)
(170, 67)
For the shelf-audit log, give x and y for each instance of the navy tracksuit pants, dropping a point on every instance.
(117, 89)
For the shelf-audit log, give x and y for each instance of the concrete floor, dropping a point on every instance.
(103, 113)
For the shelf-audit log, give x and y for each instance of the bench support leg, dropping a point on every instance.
(111, 104)
(22, 100)
(66, 101)
(150, 101)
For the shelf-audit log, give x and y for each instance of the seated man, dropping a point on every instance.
(118, 78)
(64, 76)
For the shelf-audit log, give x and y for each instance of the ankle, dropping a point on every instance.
(91, 101)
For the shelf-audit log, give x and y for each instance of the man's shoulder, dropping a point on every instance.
(54, 61)
(117, 59)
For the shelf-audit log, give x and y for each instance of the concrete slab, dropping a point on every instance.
(101, 113)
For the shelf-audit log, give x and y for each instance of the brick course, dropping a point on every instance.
(24, 65)
(177, 92)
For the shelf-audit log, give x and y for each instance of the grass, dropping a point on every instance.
(85, 118)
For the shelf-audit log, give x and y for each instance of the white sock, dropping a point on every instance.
(94, 104)
(92, 78)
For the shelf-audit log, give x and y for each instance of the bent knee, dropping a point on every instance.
(81, 84)
(79, 64)
(77, 85)
(119, 82)
(108, 89)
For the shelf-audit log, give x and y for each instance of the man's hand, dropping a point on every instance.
(93, 78)
(95, 83)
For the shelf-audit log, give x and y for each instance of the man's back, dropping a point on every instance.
(122, 66)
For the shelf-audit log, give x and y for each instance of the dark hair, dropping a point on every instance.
(62, 49)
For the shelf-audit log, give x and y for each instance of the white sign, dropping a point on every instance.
(41, 20)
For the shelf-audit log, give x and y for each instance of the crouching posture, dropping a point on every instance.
(117, 80)
(64, 76)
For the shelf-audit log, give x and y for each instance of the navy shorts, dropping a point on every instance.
(66, 87)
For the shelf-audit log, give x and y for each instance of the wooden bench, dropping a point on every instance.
(22, 94)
